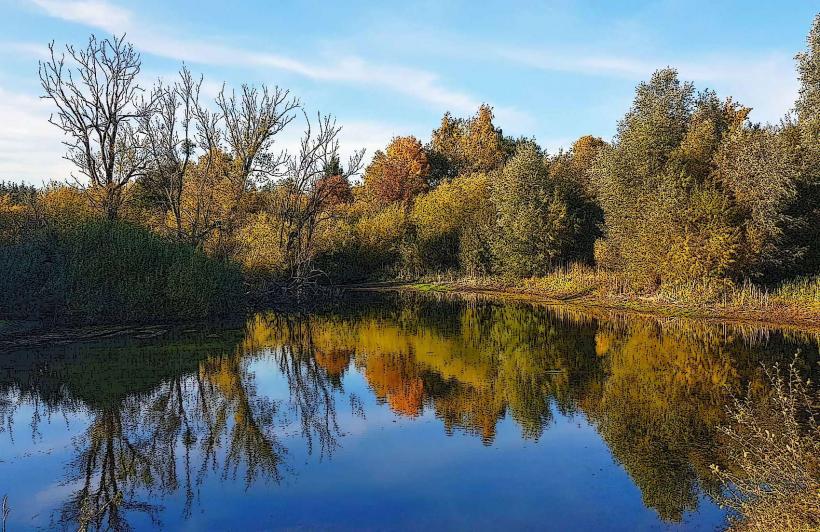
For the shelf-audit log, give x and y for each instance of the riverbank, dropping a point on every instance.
(794, 304)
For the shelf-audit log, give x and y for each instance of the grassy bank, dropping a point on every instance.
(795, 302)
(103, 272)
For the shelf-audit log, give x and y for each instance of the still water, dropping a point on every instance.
(391, 412)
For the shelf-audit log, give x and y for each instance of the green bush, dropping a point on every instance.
(113, 272)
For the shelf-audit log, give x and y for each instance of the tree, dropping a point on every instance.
(399, 173)
(444, 215)
(251, 121)
(468, 146)
(584, 152)
(808, 70)
(335, 184)
(660, 158)
(756, 170)
(711, 122)
(570, 172)
(304, 200)
(202, 163)
(170, 131)
(805, 135)
(654, 126)
(482, 142)
(98, 109)
(535, 224)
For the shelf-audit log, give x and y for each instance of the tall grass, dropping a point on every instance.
(105, 272)
(774, 442)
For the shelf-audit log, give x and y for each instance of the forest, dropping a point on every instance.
(185, 209)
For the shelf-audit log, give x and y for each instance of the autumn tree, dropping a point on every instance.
(805, 142)
(808, 71)
(203, 162)
(99, 104)
(335, 183)
(399, 173)
(464, 146)
(660, 165)
(583, 154)
(535, 224)
(570, 171)
(176, 130)
(756, 171)
(447, 221)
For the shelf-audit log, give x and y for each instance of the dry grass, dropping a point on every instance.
(794, 302)
(6, 511)
(774, 442)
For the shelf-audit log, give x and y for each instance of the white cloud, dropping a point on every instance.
(99, 14)
(766, 82)
(38, 51)
(30, 147)
(554, 145)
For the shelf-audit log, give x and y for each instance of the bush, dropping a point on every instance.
(113, 272)
(775, 446)
(444, 216)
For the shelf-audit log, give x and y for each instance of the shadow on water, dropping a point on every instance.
(158, 422)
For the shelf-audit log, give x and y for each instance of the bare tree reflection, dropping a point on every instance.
(189, 428)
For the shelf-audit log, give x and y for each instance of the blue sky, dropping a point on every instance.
(552, 70)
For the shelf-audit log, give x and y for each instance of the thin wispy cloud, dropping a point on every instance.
(413, 83)
(767, 82)
(95, 13)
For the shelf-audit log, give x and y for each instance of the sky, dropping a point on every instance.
(552, 70)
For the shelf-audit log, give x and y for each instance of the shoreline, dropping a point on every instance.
(782, 317)
(21, 334)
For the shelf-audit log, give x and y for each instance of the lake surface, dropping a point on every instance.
(390, 412)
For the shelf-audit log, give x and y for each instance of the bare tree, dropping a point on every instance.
(252, 119)
(303, 203)
(202, 162)
(169, 124)
(97, 97)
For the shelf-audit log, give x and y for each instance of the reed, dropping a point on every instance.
(6, 511)
(113, 272)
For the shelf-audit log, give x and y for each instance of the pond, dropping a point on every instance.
(394, 411)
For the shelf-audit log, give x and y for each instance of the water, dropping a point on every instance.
(392, 413)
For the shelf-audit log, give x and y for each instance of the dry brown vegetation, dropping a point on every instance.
(774, 481)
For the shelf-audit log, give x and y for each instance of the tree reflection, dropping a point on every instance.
(141, 446)
(109, 465)
(170, 420)
(655, 391)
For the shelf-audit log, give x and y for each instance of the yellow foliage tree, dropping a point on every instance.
(444, 214)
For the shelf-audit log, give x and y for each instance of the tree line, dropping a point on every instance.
(688, 191)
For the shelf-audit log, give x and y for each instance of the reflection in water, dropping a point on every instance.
(160, 421)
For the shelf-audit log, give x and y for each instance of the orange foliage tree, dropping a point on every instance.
(399, 173)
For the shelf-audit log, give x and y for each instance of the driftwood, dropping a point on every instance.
(25, 337)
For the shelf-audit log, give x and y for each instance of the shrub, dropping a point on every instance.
(775, 447)
(445, 214)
